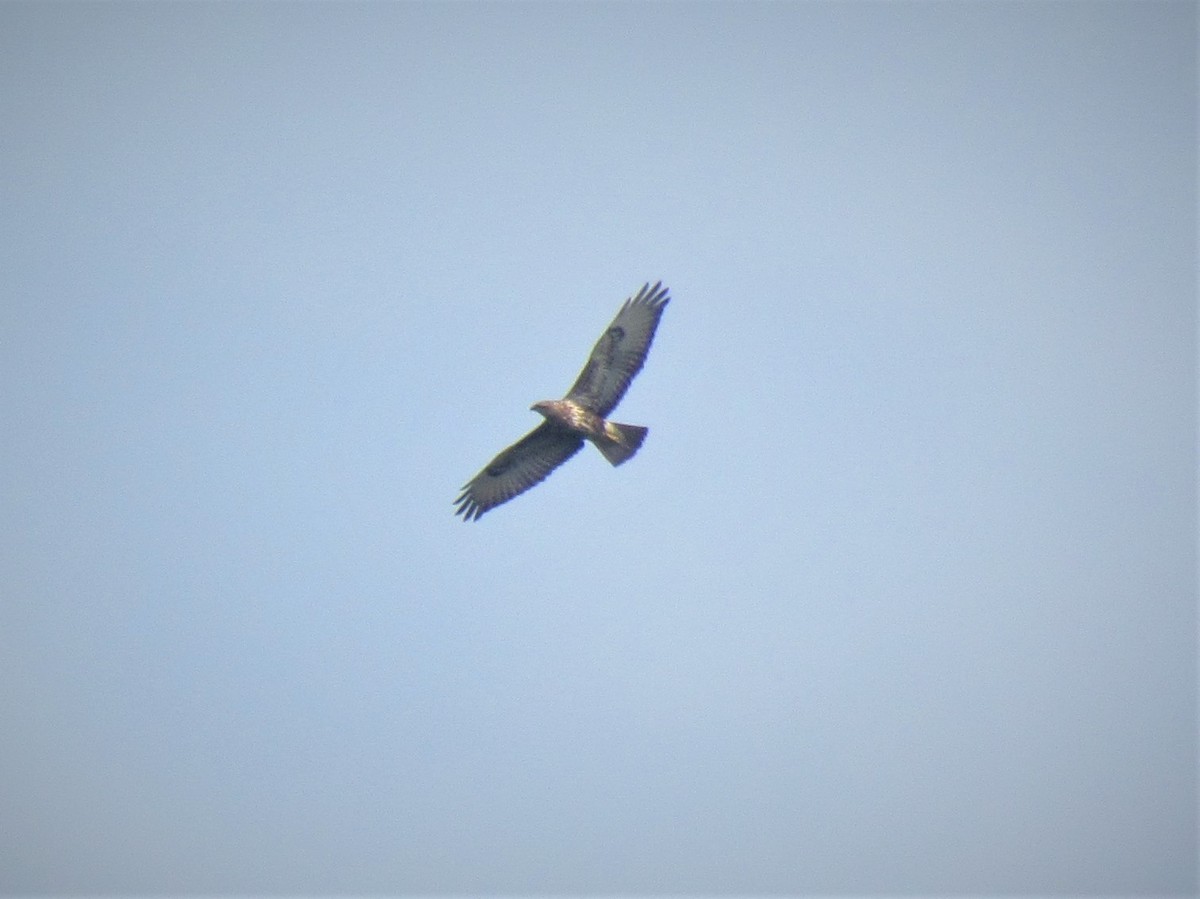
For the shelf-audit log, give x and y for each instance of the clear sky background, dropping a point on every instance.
(899, 595)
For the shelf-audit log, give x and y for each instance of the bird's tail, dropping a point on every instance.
(621, 442)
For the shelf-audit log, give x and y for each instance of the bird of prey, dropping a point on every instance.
(580, 415)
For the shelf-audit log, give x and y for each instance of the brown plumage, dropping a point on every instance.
(619, 354)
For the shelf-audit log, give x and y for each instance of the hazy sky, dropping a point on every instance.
(899, 595)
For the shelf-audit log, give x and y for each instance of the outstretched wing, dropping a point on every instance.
(620, 352)
(521, 466)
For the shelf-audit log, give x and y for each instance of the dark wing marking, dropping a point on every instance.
(620, 352)
(521, 466)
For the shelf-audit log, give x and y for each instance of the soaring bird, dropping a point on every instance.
(619, 354)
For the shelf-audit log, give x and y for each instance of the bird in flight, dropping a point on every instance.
(619, 354)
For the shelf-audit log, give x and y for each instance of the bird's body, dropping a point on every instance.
(618, 355)
(616, 441)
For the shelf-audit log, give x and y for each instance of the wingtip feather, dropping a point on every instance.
(655, 297)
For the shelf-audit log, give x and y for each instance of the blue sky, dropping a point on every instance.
(899, 595)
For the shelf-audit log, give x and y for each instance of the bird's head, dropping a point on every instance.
(542, 406)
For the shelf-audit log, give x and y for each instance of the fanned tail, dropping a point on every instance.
(622, 441)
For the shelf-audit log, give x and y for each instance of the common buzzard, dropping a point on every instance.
(618, 355)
